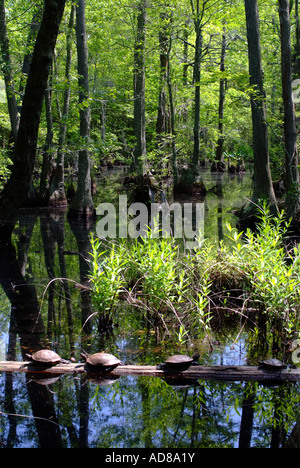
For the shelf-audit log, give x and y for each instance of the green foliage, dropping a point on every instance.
(5, 162)
(145, 269)
(253, 270)
(107, 277)
(271, 272)
(155, 264)
(111, 29)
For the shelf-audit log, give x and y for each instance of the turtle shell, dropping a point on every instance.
(179, 359)
(178, 362)
(46, 356)
(104, 360)
(272, 363)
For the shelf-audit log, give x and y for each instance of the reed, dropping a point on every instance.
(250, 271)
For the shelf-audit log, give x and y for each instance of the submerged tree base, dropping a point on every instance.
(57, 195)
(58, 202)
(83, 213)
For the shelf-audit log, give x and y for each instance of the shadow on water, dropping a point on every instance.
(39, 310)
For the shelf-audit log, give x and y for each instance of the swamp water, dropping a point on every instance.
(130, 412)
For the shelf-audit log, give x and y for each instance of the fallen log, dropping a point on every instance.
(194, 373)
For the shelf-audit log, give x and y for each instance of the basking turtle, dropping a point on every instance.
(178, 362)
(46, 357)
(104, 361)
(272, 364)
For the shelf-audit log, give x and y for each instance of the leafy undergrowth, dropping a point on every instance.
(254, 271)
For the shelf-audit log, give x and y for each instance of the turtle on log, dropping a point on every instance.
(46, 357)
(178, 362)
(272, 364)
(102, 361)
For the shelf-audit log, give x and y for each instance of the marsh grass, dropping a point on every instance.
(251, 272)
(271, 271)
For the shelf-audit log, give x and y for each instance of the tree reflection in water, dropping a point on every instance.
(130, 412)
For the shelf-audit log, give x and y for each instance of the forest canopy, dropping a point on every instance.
(153, 85)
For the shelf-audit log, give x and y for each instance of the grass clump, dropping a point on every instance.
(252, 271)
(271, 271)
(107, 276)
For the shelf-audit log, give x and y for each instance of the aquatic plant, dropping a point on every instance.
(254, 271)
(271, 271)
(155, 261)
(106, 276)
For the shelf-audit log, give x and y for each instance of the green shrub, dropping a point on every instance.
(253, 269)
(5, 162)
(155, 262)
(272, 274)
(106, 276)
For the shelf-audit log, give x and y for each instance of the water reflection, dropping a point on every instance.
(26, 324)
(74, 411)
(147, 413)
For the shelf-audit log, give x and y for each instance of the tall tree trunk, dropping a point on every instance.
(162, 123)
(290, 132)
(140, 152)
(7, 73)
(198, 17)
(48, 157)
(57, 187)
(172, 116)
(296, 54)
(221, 139)
(82, 204)
(263, 187)
(32, 35)
(18, 185)
(185, 53)
(166, 120)
(197, 78)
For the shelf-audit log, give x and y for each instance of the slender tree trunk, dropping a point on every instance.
(140, 151)
(290, 132)
(32, 35)
(18, 185)
(57, 187)
(172, 116)
(263, 187)
(7, 73)
(296, 54)
(185, 54)
(82, 204)
(222, 95)
(48, 157)
(162, 123)
(166, 120)
(197, 78)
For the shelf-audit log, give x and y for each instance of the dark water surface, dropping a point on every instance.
(40, 308)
